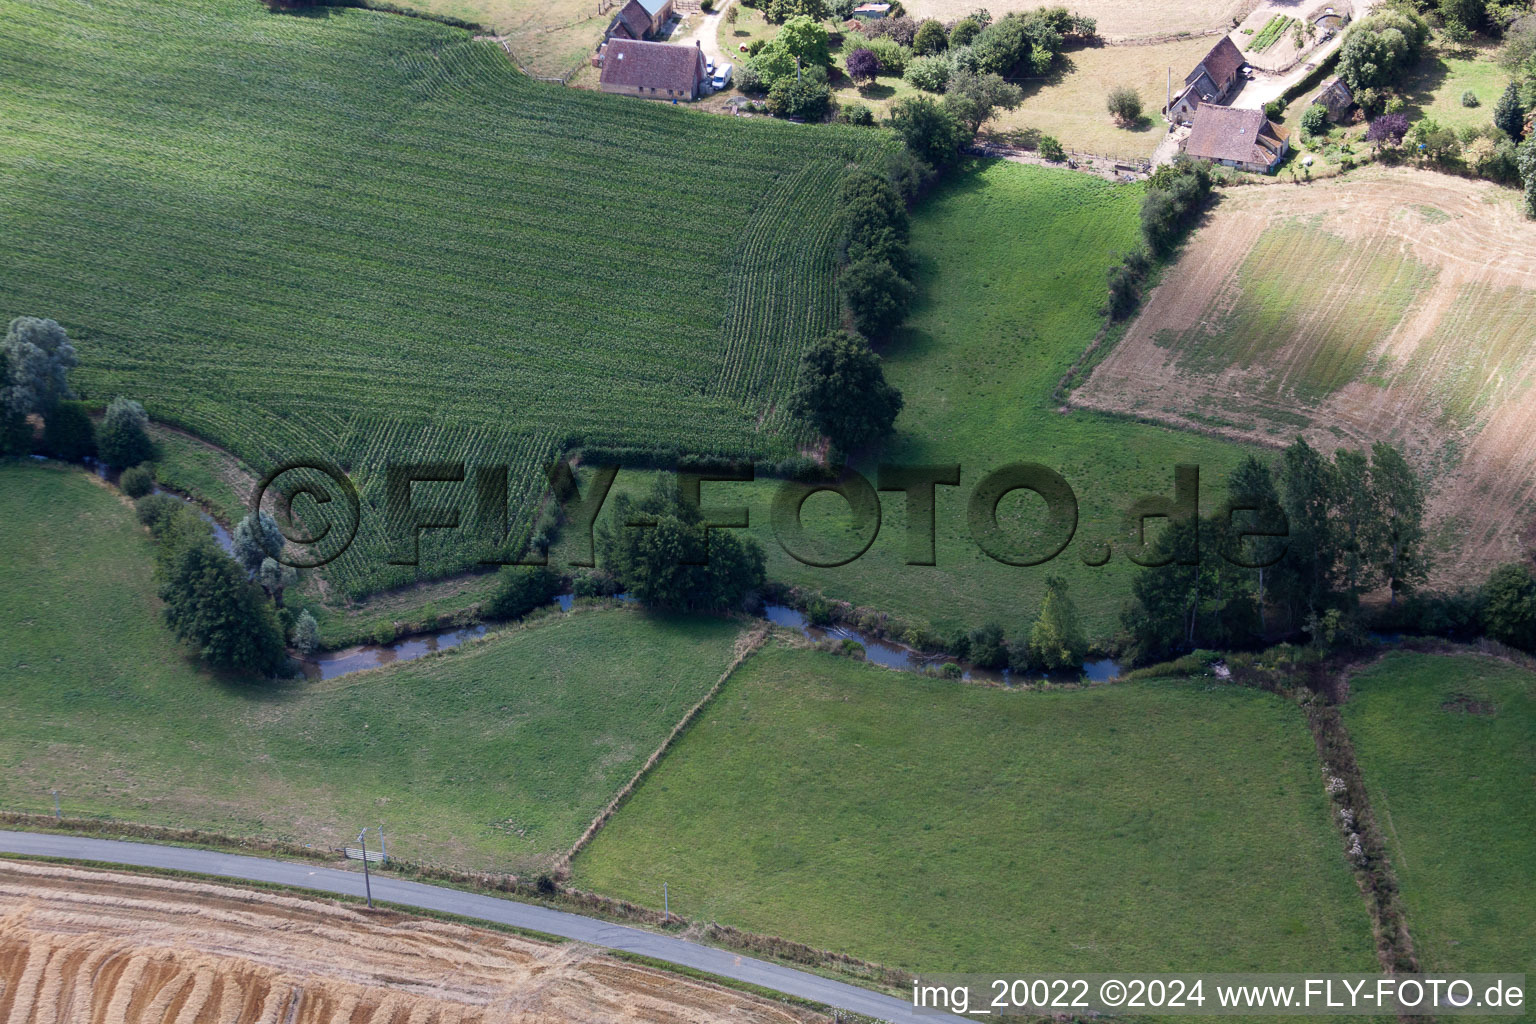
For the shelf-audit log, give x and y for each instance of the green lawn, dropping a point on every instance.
(934, 826)
(1434, 88)
(1448, 748)
(368, 238)
(494, 756)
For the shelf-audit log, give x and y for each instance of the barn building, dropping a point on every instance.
(656, 71)
(639, 19)
(1214, 80)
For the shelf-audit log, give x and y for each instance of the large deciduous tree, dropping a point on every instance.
(843, 393)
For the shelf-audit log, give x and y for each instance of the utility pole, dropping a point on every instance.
(362, 837)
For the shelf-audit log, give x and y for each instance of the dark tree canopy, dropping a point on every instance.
(1378, 48)
(668, 563)
(878, 297)
(929, 130)
(124, 436)
(1390, 129)
(842, 391)
(930, 38)
(40, 356)
(210, 604)
(1509, 606)
(522, 588)
(1176, 194)
(863, 66)
(68, 432)
(1509, 113)
(973, 98)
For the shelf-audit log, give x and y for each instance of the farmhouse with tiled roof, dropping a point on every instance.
(657, 71)
(1214, 80)
(1244, 139)
(639, 19)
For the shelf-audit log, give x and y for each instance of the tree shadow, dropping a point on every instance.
(1031, 85)
(1419, 89)
(876, 91)
(314, 11)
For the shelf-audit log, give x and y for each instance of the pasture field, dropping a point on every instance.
(936, 826)
(1069, 102)
(1391, 305)
(1118, 20)
(493, 757)
(368, 238)
(1010, 268)
(1448, 756)
(548, 38)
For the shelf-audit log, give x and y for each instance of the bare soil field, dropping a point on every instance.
(1392, 305)
(115, 948)
(1119, 20)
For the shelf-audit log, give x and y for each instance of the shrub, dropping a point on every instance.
(1509, 606)
(1469, 99)
(137, 481)
(930, 38)
(931, 74)
(929, 130)
(987, 647)
(902, 30)
(1050, 148)
(893, 57)
(748, 79)
(1388, 129)
(1274, 109)
(68, 433)
(124, 436)
(1124, 105)
(156, 511)
(806, 97)
(863, 65)
(856, 113)
(965, 32)
(520, 589)
(1509, 112)
(841, 391)
(1314, 120)
(306, 634)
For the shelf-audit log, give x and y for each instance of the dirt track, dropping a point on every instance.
(101, 947)
(1474, 241)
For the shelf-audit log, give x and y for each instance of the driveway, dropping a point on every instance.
(1264, 86)
(720, 962)
(706, 35)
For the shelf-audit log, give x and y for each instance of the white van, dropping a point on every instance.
(722, 77)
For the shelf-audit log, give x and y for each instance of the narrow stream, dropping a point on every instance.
(220, 534)
(899, 656)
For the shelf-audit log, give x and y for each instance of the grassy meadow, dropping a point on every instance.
(1010, 265)
(1446, 745)
(492, 756)
(369, 238)
(935, 826)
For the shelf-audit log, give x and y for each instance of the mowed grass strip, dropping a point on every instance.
(493, 757)
(936, 826)
(367, 238)
(1446, 745)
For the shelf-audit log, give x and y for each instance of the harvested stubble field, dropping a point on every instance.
(1393, 305)
(368, 238)
(1118, 19)
(125, 948)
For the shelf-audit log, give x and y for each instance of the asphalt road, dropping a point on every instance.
(715, 961)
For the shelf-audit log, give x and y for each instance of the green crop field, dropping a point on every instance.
(938, 826)
(494, 756)
(366, 237)
(1271, 31)
(1447, 748)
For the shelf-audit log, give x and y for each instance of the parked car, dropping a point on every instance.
(722, 77)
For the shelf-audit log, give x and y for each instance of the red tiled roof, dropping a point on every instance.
(1227, 133)
(633, 19)
(636, 64)
(1222, 63)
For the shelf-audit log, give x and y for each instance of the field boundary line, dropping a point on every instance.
(747, 644)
